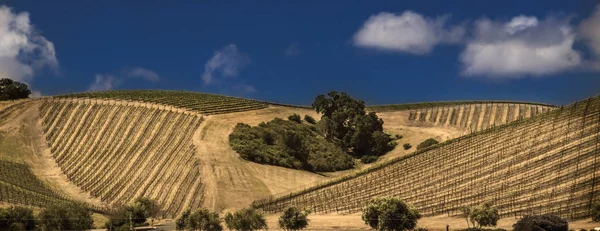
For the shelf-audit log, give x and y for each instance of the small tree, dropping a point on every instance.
(293, 219)
(148, 208)
(66, 217)
(16, 218)
(596, 212)
(247, 219)
(10, 90)
(485, 215)
(390, 214)
(295, 117)
(427, 143)
(541, 222)
(310, 119)
(202, 219)
(181, 221)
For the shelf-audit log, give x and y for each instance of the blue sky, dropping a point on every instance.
(380, 51)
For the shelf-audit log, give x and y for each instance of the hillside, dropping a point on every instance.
(544, 164)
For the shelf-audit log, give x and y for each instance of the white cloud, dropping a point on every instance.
(408, 32)
(146, 74)
(103, 83)
(590, 32)
(292, 50)
(521, 47)
(225, 63)
(23, 51)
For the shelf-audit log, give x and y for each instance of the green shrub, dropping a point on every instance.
(427, 143)
(484, 215)
(288, 144)
(247, 219)
(293, 219)
(368, 159)
(295, 117)
(596, 212)
(398, 136)
(541, 222)
(16, 218)
(407, 146)
(390, 214)
(310, 119)
(66, 217)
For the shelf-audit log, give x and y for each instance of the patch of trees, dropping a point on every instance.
(427, 143)
(247, 219)
(54, 217)
(123, 217)
(484, 215)
(541, 222)
(390, 214)
(288, 144)
(293, 219)
(11, 90)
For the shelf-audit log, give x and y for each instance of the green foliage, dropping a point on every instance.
(288, 144)
(480, 229)
(293, 219)
(202, 219)
(398, 136)
(484, 215)
(247, 219)
(10, 90)
(181, 221)
(310, 119)
(66, 217)
(137, 212)
(295, 117)
(16, 218)
(368, 159)
(407, 146)
(345, 120)
(390, 214)
(596, 212)
(542, 223)
(148, 207)
(427, 143)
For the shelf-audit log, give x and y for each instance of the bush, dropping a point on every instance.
(293, 219)
(202, 219)
(66, 217)
(295, 117)
(427, 143)
(390, 214)
(10, 90)
(484, 215)
(16, 218)
(541, 222)
(148, 208)
(398, 137)
(309, 119)
(596, 212)
(247, 219)
(368, 159)
(288, 144)
(407, 146)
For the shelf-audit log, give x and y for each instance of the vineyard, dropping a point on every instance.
(476, 117)
(121, 151)
(18, 185)
(203, 103)
(548, 163)
(427, 105)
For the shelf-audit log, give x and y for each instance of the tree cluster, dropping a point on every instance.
(390, 214)
(345, 121)
(293, 219)
(201, 219)
(54, 217)
(484, 215)
(123, 217)
(541, 223)
(11, 90)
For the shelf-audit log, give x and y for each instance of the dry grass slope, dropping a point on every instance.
(120, 151)
(545, 164)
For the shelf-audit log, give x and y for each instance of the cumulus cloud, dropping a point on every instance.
(146, 74)
(590, 32)
(292, 50)
(225, 63)
(408, 32)
(523, 46)
(23, 51)
(103, 83)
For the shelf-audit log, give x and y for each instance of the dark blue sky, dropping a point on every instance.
(292, 52)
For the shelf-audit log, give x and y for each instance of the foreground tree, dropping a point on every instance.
(148, 207)
(541, 222)
(390, 214)
(346, 122)
(484, 215)
(16, 218)
(596, 212)
(248, 219)
(11, 90)
(202, 219)
(293, 219)
(66, 217)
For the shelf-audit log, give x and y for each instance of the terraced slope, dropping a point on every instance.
(428, 105)
(18, 185)
(118, 151)
(203, 103)
(545, 164)
(477, 117)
